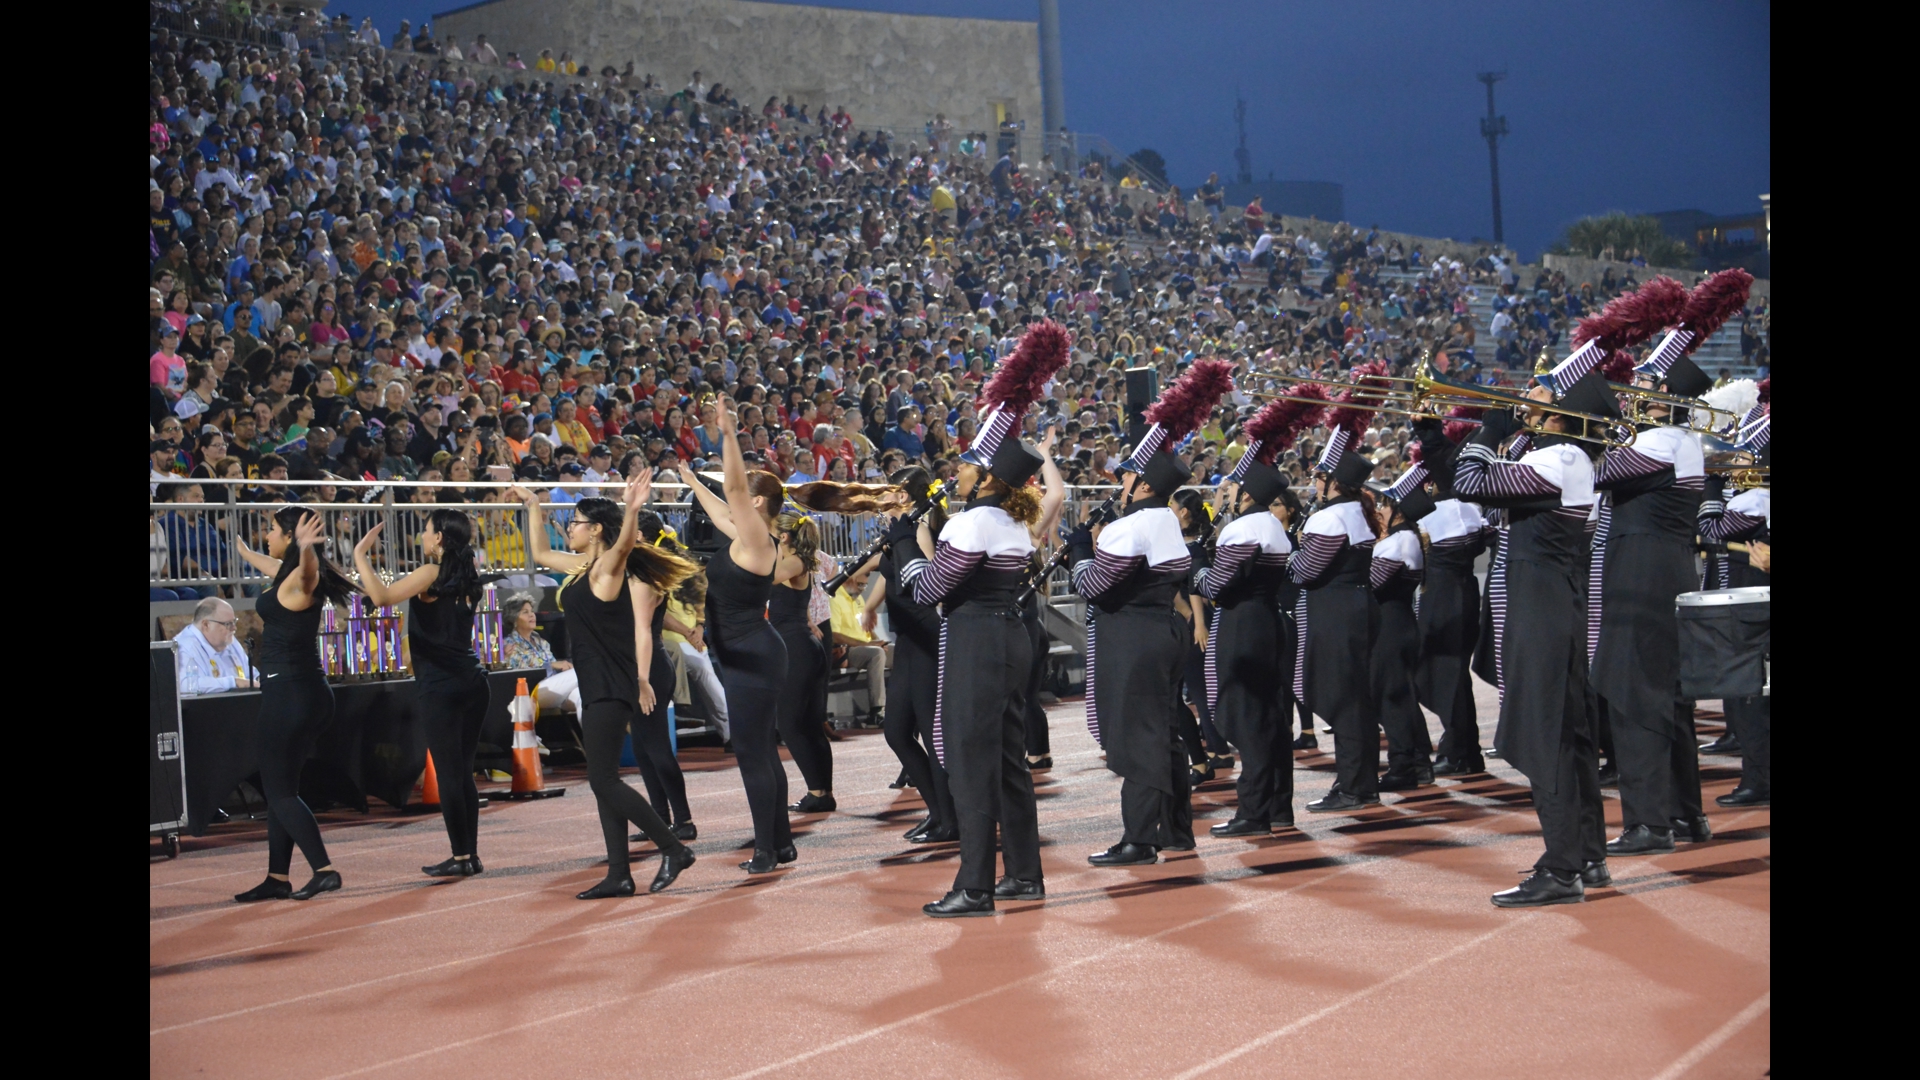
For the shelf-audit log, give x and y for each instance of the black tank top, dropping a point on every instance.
(600, 633)
(440, 637)
(288, 639)
(787, 608)
(736, 600)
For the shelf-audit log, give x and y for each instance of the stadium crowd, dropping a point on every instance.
(409, 263)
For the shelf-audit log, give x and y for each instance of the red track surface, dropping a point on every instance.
(1356, 946)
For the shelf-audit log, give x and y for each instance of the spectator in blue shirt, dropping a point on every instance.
(904, 436)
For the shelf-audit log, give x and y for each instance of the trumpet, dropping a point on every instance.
(1741, 476)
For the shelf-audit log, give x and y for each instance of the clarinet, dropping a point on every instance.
(1102, 514)
(880, 545)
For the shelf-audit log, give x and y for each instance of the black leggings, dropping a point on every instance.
(604, 724)
(752, 671)
(908, 726)
(803, 708)
(653, 746)
(1192, 716)
(451, 712)
(296, 704)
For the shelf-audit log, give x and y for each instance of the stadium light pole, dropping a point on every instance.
(1492, 128)
(1053, 100)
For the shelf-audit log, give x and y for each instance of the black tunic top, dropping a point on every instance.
(600, 633)
(440, 637)
(288, 639)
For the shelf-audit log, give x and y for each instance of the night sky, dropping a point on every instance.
(1630, 105)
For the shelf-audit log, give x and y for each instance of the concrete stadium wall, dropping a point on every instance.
(891, 71)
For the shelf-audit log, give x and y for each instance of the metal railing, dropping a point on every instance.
(201, 540)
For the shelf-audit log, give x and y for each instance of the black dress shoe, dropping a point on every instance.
(786, 855)
(1178, 843)
(449, 868)
(762, 862)
(1011, 888)
(1306, 741)
(938, 834)
(814, 804)
(1464, 767)
(1693, 830)
(1641, 840)
(1725, 744)
(1745, 796)
(474, 861)
(901, 781)
(270, 889)
(1543, 888)
(686, 831)
(1241, 827)
(1495, 754)
(1594, 875)
(1202, 772)
(324, 881)
(671, 863)
(1609, 775)
(1424, 774)
(1125, 854)
(1399, 781)
(1220, 762)
(1339, 802)
(608, 889)
(219, 817)
(961, 904)
(925, 824)
(1042, 765)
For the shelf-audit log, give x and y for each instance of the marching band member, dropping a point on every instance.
(1546, 726)
(1739, 522)
(1449, 612)
(1244, 582)
(975, 574)
(1129, 571)
(1398, 567)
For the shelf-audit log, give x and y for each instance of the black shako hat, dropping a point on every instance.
(1686, 379)
(1263, 483)
(1353, 470)
(1014, 463)
(1592, 395)
(1415, 505)
(1165, 473)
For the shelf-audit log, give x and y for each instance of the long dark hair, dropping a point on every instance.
(1199, 522)
(334, 585)
(457, 578)
(604, 513)
(1365, 497)
(660, 559)
(918, 483)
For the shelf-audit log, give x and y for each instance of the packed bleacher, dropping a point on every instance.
(421, 263)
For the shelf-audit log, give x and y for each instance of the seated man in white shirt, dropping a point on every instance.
(210, 658)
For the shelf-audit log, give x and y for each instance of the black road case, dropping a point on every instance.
(167, 797)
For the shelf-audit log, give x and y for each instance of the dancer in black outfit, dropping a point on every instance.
(608, 597)
(1039, 739)
(296, 703)
(913, 682)
(1207, 750)
(451, 684)
(803, 703)
(652, 741)
(752, 658)
(975, 574)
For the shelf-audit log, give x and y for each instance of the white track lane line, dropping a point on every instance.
(1714, 1041)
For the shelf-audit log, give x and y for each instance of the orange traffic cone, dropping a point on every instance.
(529, 782)
(430, 786)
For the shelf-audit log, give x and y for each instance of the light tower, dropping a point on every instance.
(1491, 129)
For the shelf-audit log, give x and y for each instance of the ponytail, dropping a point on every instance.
(827, 496)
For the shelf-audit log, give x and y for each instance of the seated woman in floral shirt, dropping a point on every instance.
(525, 648)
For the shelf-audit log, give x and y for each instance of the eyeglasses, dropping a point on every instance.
(229, 624)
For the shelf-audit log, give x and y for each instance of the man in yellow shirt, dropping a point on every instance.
(865, 653)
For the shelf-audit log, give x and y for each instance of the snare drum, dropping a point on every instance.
(1723, 642)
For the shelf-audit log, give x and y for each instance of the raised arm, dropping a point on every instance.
(564, 561)
(259, 560)
(715, 506)
(296, 593)
(379, 592)
(1055, 497)
(611, 567)
(752, 548)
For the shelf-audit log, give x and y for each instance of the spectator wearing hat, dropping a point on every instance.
(166, 368)
(430, 435)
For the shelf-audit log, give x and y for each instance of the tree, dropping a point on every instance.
(1150, 164)
(1625, 234)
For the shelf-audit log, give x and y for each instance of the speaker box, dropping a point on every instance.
(1143, 388)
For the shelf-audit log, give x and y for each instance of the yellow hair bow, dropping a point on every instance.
(666, 534)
